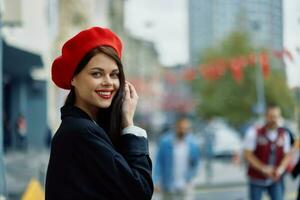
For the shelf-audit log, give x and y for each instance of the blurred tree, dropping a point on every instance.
(234, 100)
(278, 92)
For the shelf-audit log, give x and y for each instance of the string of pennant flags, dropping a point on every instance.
(215, 70)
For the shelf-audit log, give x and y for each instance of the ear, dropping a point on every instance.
(73, 82)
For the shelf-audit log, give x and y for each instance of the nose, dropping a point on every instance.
(107, 81)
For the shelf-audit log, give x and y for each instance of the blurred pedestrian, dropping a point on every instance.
(7, 137)
(209, 143)
(97, 152)
(177, 162)
(21, 132)
(267, 151)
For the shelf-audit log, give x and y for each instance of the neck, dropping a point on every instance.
(271, 127)
(179, 137)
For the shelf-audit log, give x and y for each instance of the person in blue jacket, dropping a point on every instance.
(177, 161)
(97, 152)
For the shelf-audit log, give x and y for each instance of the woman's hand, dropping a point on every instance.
(129, 104)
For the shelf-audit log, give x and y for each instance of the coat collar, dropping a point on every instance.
(73, 111)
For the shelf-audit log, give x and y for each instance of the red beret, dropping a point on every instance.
(75, 49)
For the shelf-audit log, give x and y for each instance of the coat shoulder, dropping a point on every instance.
(78, 128)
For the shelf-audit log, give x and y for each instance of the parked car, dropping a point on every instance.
(227, 142)
(219, 139)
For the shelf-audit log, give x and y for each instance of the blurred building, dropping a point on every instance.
(212, 21)
(144, 71)
(26, 46)
(178, 97)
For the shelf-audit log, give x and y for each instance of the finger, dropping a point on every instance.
(133, 93)
(127, 92)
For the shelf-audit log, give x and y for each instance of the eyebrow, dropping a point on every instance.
(102, 70)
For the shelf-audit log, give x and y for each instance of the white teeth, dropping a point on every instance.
(104, 93)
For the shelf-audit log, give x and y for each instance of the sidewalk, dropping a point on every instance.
(21, 167)
(222, 173)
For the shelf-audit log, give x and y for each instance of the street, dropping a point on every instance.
(221, 179)
(240, 192)
(234, 191)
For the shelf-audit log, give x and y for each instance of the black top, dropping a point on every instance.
(84, 165)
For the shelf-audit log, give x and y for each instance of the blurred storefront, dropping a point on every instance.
(24, 95)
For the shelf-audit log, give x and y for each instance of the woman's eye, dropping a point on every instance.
(115, 75)
(96, 74)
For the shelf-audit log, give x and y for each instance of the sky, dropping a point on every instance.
(165, 23)
(161, 21)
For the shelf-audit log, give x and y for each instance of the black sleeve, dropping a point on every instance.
(126, 174)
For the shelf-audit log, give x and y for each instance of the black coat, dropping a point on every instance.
(84, 165)
(295, 173)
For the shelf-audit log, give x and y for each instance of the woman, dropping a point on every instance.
(97, 152)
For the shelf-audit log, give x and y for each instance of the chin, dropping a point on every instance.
(106, 105)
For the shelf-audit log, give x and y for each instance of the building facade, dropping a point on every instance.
(212, 21)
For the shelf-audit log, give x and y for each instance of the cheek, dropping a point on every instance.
(117, 84)
(90, 83)
(86, 87)
(82, 91)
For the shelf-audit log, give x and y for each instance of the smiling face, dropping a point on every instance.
(97, 84)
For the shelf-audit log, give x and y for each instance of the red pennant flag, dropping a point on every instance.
(206, 71)
(236, 66)
(264, 62)
(278, 54)
(210, 72)
(170, 78)
(215, 73)
(220, 66)
(189, 74)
